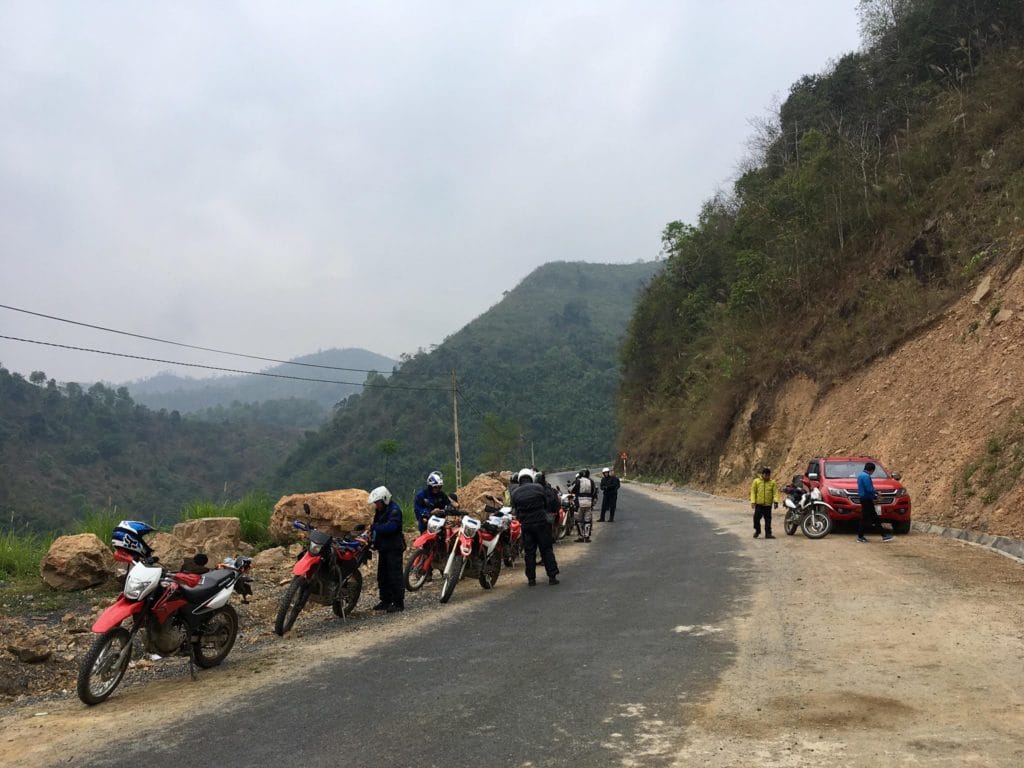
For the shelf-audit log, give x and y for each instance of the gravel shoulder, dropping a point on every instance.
(906, 653)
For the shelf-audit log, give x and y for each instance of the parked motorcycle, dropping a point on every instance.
(805, 510)
(565, 521)
(326, 573)
(478, 550)
(431, 548)
(174, 613)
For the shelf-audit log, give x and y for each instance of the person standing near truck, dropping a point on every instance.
(868, 498)
(764, 494)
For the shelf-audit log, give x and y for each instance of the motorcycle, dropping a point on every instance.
(327, 573)
(175, 613)
(805, 510)
(565, 520)
(431, 548)
(479, 549)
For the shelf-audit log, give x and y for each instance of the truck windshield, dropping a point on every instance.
(847, 469)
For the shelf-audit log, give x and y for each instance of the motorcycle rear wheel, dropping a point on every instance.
(100, 673)
(216, 638)
(490, 570)
(350, 592)
(415, 573)
(451, 577)
(292, 602)
(816, 524)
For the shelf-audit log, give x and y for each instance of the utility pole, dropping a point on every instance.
(455, 421)
(533, 461)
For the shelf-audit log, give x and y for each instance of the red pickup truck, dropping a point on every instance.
(836, 477)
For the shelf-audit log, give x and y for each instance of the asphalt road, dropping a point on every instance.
(595, 671)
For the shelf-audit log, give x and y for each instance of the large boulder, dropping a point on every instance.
(77, 562)
(334, 512)
(217, 537)
(482, 490)
(171, 550)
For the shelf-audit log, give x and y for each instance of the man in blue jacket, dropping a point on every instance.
(868, 496)
(389, 542)
(428, 499)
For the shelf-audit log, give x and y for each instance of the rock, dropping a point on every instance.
(77, 562)
(273, 559)
(197, 533)
(171, 550)
(1002, 316)
(983, 290)
(480, 491)
(334, 512)
(929, 225)
(30, 648)
(987, 158)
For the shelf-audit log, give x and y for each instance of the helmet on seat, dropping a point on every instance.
(526, 475)
(434, 480)
(128, 535)
(380, 493)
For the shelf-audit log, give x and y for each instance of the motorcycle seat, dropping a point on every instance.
(489, 527)
(209, 585)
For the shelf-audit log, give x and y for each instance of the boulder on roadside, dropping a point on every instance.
(334, 512)
(482, 490)
(30, 648)
(273, 559)
(76, 562)
(171, 550)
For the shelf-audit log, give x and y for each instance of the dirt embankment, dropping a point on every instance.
(932, 409)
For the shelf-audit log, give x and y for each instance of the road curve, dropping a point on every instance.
(598, 670)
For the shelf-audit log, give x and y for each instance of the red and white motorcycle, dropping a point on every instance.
(478, 550)
(175, 613)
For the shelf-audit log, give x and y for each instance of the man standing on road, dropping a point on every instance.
(868, 497)
(530, 505)
(609, 494)
(764, 494)
(389, 543)
(584, 490)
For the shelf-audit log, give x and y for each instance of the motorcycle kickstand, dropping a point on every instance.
(192, 662)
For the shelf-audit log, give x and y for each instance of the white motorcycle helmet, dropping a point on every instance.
(526, 475)
(434, 479)
(380, 493)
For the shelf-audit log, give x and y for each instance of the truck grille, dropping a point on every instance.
(884, 497)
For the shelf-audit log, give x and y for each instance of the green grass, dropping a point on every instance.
(100, 522)
(20, 554)
(253, 511)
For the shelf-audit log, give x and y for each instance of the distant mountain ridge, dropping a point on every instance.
(192, 396)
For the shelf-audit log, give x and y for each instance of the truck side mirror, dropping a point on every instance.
(897, 476)
(812, 475)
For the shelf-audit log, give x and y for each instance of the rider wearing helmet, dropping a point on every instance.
(429, 498)
(531, 504)
(389, 543)
(585, 491)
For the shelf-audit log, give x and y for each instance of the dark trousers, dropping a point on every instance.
(608, 501)
(538, 535)
(390, 583)
(868, 519)
(765, 511)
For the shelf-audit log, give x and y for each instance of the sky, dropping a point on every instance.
(276, 178)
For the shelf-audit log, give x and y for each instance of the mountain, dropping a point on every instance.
(885, 187)
(295, 403)
(65, 449)
(537, 372)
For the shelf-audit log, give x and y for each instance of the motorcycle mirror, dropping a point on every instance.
(305, 507)
(812, 475)
(453, 496)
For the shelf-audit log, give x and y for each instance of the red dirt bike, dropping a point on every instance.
(327, 573)
(175, 613)
(565, 520)
(480, 550)
(431, 548)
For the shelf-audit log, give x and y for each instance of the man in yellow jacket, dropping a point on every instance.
(764, 494)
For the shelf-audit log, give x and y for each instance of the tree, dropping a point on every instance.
(387, 449)
(37, 377)
(499, 438)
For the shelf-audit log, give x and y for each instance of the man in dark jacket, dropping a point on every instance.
(530, 504)
(389, 542)
(429, 498)
(609, 494)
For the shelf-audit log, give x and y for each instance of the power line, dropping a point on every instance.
(194, 346)
(225, 370)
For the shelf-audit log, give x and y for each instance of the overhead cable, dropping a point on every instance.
(195, 346)
(226, 370)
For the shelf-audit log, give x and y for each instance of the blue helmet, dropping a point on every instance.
(128, 535)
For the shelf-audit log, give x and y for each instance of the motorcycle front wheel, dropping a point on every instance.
(791, 523)
(100, 671)
(216, 637)
(350, 592)
(417, 569)
(490, 570)
(292, 602)
(816, 523)
(451, 577)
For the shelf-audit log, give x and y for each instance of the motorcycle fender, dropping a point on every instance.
(825, 504)
(423, 539)
(115, 614)
(465, 545)
(218, 600)
(306, 564)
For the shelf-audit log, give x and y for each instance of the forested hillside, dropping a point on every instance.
(880, 190)
(65, 449)
(264, 399)
(537, 370)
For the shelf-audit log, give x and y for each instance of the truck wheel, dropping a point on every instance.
(901, 528)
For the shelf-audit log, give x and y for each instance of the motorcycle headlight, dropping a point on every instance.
(314, 548)
(140, 581)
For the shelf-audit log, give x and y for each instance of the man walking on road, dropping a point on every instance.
(609, 494)
(530, 505)
(868, 497)
(764, 494)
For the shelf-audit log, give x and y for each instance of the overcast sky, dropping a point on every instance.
(277, 178)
